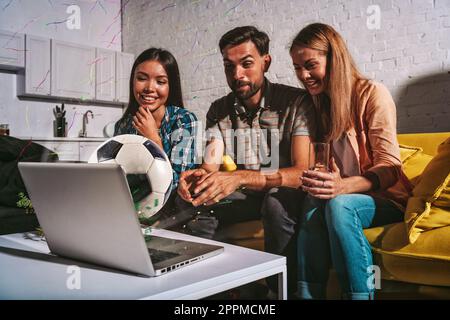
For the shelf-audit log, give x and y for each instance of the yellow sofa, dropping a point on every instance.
(427, 260)
(425, 263)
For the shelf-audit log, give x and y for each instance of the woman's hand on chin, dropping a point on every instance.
(145, 124)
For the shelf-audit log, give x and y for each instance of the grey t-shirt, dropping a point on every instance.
(261, 139)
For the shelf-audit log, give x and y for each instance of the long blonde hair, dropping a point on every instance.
(335, 112)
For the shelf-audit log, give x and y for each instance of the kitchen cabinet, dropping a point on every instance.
(35, 79)
(56, 70)
(70, 149)
(105, 71)
(12, 50)
(86, 149)
(73, 70)
(67, 151)
(124, 63)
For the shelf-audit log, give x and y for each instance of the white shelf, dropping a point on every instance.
(65, 139)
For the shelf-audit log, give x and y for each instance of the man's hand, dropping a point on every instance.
(187, 182)
(215, 186)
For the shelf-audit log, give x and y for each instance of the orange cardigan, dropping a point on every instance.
(374, 140)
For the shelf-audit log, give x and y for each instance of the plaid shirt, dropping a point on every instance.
(178, 131)
(262, 138)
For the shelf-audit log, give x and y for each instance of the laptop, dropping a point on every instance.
(87, 213)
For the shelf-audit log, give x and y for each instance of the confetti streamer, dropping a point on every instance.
(196, 68)
(92, 74)
(24, 148)
(17, 50)
(193, 44)
(56, 22)
(92, 64)
(26, 117)
(73, 119)
(114, 38)
(167, 7)
(121, 8)
(92, 8)
(7, 5)
(99, 59)
(23, 28)
(43, 80)
(105, 82)
(100, 4)
(115, 19)
(107, 29)
(237, 5)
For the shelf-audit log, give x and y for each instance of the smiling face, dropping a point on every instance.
(310, 67)
(244, 69)
(151, 85)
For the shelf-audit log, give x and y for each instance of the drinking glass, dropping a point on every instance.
(319, 154)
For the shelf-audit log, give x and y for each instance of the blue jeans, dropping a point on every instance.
(331, 232)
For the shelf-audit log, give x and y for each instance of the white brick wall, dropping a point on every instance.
(410, 53)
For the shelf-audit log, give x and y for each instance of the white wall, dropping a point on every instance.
(410, 52)
(100, 27)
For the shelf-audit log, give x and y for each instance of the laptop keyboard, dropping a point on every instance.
(160, 255)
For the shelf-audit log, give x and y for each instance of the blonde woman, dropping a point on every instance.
(364, 186)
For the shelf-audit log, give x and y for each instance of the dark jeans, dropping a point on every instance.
(204, 221)
(278, 208)
(280, 213)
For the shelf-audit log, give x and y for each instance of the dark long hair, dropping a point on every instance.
(170, 64)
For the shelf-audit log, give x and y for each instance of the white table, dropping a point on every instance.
(28, 271)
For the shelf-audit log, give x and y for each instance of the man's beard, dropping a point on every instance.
(247, 94)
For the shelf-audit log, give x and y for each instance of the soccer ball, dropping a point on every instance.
(147, 167)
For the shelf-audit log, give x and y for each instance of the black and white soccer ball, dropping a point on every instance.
(139, 156)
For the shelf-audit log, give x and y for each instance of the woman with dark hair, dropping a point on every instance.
(364, 186)
(155, 109)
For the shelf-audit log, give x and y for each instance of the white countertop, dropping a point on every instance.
(64, 139)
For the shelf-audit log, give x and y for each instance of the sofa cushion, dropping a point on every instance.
(249, 234)
(427, 259)
(407, 152)
(414, 161)
(429, 206)
(427, 141)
